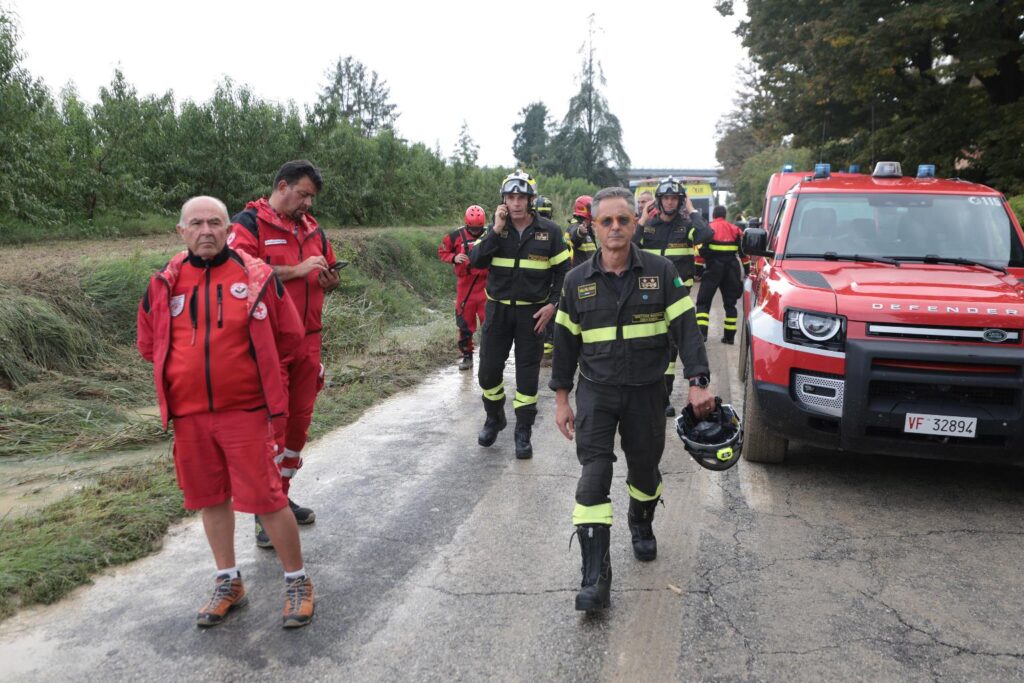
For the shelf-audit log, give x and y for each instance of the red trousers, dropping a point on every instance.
(305, 380)
(470, 302)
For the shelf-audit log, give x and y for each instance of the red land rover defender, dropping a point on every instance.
(886, 315)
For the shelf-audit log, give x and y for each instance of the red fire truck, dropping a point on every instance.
(885, 314)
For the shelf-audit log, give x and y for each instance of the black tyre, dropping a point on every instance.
(760, 444)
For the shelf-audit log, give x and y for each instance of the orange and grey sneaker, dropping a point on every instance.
(228, 593)
(298, 602)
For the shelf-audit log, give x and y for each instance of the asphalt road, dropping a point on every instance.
(435, 559)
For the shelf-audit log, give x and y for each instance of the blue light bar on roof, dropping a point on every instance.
(854, 168)
(822, 171)
(787, 168)
(926, 171)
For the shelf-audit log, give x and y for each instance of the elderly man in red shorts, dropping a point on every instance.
(220, 329)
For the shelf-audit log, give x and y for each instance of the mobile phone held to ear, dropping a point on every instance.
(337, 265)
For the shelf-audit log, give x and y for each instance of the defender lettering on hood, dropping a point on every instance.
(968, 310)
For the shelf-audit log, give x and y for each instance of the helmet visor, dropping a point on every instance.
(516, 185)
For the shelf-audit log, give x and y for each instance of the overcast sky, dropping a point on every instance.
(670, 75)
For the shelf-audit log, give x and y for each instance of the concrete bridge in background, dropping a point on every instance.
(715, 176)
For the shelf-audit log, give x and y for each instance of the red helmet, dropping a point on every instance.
(475, 217)
(581, 207)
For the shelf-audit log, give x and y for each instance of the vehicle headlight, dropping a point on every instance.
(820, 330)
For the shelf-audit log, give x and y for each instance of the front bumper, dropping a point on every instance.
(868, 405)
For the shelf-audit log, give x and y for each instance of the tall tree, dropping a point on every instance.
(357, 95)
(589, 141)
(466, 149)
(532, 135)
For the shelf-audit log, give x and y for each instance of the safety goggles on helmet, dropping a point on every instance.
(670, 185)
(715, 441)
(519, 182)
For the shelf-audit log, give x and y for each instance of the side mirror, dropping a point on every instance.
(753, 223)
(755, 242)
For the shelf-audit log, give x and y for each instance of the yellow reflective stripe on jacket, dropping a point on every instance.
(592, 514)
(562, 318)
(637, 494)
(535, 265)
(587, 246)
(723, 247)
(644, 330)
(508, 302)
(678, 308)
(674, 251)
(503, 262)
(559, 257)
(600, 334)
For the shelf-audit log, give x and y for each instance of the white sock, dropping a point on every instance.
(289, 453)
(299, 573)
(230, 572)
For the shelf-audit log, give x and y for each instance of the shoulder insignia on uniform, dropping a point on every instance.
(650, 282)
(542, 235)
(586, 291)
(649, 230)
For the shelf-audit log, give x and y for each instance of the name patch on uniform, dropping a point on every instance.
(677, 245)
(270, 243)
(648, 230)
(648, 317)
(650, 282)
(537, 257)
(542, 236)
(586, 291)
(177, 305)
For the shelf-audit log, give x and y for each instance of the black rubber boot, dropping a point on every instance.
(729, 338)
(524, 450)
(670, 411)
(494, 423)
(641, 516)
(467, 362)
(596, 588)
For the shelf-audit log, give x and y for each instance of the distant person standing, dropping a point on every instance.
(220, 328)
(470, 300)
(581, 234)
(527, 262)
(280, 231)
(723, 258)
(672, 233)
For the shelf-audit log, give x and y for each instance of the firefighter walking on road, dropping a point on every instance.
(621, 315)
(527, 262)
(722, 273)
(469, 289)
(672, 233)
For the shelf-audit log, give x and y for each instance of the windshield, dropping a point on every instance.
(905, 225)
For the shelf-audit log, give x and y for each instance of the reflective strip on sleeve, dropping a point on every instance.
(678, 308)
(644, 330)
(592, 514)
(587, 246)
(559, 257)
(600, 334)
(691, 233)
(562, 318)
(522, 400)
(495, 394)
(723, 247)
(637, 494)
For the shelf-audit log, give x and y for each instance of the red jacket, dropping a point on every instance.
(458, 242)
(726, 242)
(279, 241)
(249, 293)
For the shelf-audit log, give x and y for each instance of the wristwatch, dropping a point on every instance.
(701, 381)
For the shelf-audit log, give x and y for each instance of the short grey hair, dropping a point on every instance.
(223, 207)
(612, 193)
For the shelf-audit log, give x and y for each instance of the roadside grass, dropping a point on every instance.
(389, 324)
(104, 226)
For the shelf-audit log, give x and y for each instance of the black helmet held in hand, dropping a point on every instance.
(716, 441)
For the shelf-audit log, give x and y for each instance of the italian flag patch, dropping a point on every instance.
(678, 282)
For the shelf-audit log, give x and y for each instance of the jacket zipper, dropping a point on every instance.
(305, 280)
(206, 350)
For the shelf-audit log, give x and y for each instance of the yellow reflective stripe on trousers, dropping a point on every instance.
(723, 247)
(600, 334)
(644, 330)
(729, 324)
(495, 394)
(592, 514)
(671, 369)
(523, 400)
(678, 308)
(637, 494)
(559, 257)
(562, 318)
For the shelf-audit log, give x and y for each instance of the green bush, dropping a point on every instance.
(1017, 204)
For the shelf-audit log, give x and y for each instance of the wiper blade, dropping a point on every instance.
(833, 256)
(955, 260)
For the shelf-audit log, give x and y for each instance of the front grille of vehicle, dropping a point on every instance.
(951, 394)
(946, 334)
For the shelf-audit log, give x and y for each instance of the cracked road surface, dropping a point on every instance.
(435, 559)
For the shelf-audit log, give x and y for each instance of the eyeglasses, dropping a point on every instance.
(608, 221)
